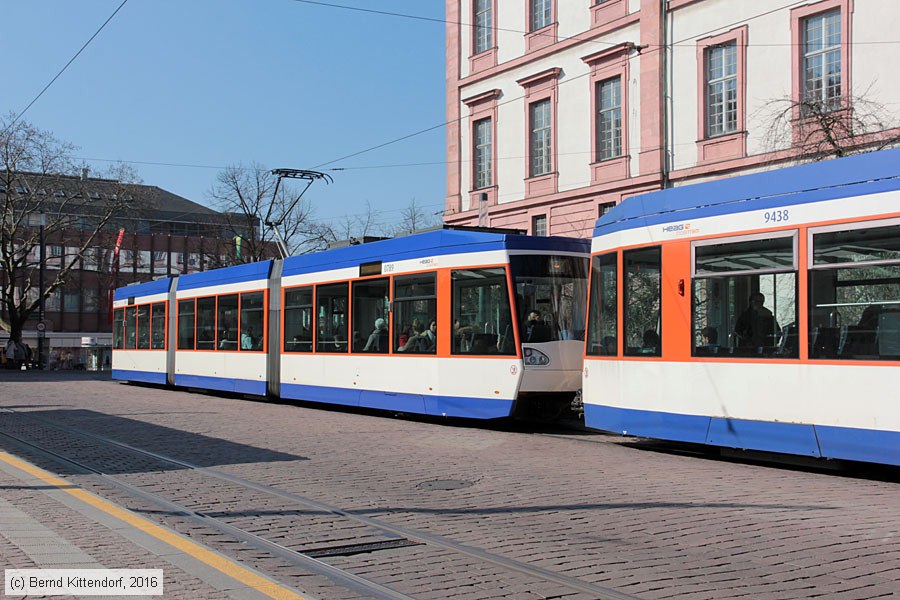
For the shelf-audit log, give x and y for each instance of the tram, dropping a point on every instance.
(454, 322)
(760, 312)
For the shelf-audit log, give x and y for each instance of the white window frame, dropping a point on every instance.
(484, 25)
(540, 123)
(541, 14)
(722, 115)
(482, 153)
(609, 121)
(824, 56)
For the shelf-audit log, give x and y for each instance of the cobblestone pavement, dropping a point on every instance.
(601, 509)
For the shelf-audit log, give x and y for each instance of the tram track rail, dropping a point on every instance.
(310, 560)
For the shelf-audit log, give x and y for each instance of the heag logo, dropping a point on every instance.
(680, 230)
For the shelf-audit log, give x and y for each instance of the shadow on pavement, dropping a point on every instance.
(37, 427)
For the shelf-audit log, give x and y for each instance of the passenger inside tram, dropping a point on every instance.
(536, 330)
(709, 341)
(421, 339)
(650, 343)
(378, 339)
(756, 326)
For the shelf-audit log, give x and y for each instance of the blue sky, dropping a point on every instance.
(217, 82)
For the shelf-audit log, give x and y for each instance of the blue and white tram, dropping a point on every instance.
(140, 325)
(759, 312)
(433, 323)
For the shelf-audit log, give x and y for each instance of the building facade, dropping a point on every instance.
(159, 234)
(559, 109)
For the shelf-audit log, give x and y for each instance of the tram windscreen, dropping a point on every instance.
(552, 290)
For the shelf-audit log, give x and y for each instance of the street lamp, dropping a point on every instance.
(43, 259)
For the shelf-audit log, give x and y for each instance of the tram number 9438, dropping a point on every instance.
(777, 216)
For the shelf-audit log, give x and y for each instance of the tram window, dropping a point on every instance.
(252, 321)
(227, 322)
(415, 309)
(744, 298)
(186, 329)
(331, 307)
(143, 324)
(119, 328)
(746, 315)
(857, 245)
(298, 320)
(748, 255)
(854, 294)
(158, 326)
(556, 288)
(603, 317)
(131, 327)
(370, 316)
(642, 301)
(206, 323)
(481, 312)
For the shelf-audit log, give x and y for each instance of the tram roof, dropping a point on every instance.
(430, 243)
(857, 175)
(142, 290)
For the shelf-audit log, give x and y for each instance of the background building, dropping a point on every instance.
(160, 234)
(560, 109)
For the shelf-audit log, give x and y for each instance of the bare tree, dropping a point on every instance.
(414, 218)
(40, 184)
(353, 229)
(811, 129)
(247, 194)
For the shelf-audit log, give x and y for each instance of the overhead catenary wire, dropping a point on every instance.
(578, 37)
(461, 118)
(61, 71)
(646, 49)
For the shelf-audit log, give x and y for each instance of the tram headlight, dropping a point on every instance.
(535, 357)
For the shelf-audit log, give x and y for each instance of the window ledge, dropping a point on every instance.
(541, 38)
(607, 11)
(483, 60)
(541, 185)
(722, 147)
(611, 169)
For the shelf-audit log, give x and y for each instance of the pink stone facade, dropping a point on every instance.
(658, 52)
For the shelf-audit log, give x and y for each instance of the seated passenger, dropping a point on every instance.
(709, 341)
(412, 337)
(428, 341)
(226, 342)
(536, 331)
(650, 342)
(377, 341)
(424, 341)
(246, 340)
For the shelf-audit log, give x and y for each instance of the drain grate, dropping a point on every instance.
(351, 549)
(445, 484)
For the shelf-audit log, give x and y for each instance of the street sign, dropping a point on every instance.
(41, 327)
